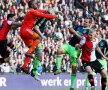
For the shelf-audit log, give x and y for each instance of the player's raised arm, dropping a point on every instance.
(72, 31)
(39, 32)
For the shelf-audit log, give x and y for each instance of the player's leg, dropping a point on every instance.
(73, 77)
(74, 54)
(27, 58)
(4, 52)
(36, 61)
(86, 83)
(103, 79)
(25, 68)
(30, 39)
(104, 65)
(28, 34)
(88, 69)
(60, 51)
(12, 46)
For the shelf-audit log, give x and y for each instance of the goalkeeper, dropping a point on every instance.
(39, 26)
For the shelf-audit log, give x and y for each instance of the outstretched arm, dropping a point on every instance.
(39, 32)
(15, 25)
(100, 52)
(42, 15)
(72, 31)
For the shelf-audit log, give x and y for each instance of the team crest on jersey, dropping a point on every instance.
(84, 31)
(102, 44)
(90, 49)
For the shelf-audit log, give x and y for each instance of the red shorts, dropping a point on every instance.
(28, 36)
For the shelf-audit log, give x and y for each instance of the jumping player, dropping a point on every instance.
(30, 37)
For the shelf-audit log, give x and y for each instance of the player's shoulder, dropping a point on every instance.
(104, 40)
(85, 35)
(79, 26)
(5, 21)
(30, 10)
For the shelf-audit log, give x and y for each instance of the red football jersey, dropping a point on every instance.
(4, 29)
(88, 48)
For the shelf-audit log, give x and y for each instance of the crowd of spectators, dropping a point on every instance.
(74, 12)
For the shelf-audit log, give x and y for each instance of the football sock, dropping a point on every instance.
(11, 45)
(103, 82)
(36, 63)
(35, 44)
(73, 78)
(91, 80)
(31, 49)
(58, 61)
(87, 81)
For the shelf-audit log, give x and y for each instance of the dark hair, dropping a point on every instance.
(10, 16)
(30, 3)
(90, 19)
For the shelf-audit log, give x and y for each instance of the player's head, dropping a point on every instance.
(33, 4)
(10, 17)
(87, 22)
(92, 33)
(98, 33)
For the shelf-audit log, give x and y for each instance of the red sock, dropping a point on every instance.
(31, 49)
(35, 43)
(11, 45)
(27, 59)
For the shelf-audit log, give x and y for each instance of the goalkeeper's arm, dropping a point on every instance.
(36, 28)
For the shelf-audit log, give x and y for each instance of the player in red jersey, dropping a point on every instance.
(27, 34)
(89, 44)
(4, 29)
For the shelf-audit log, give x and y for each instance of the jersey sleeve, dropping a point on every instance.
(82, 42)
(97, 41)
(9, 22)
(39, 14)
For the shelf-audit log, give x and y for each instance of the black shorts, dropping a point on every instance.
(3, 49)
(96, 65)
